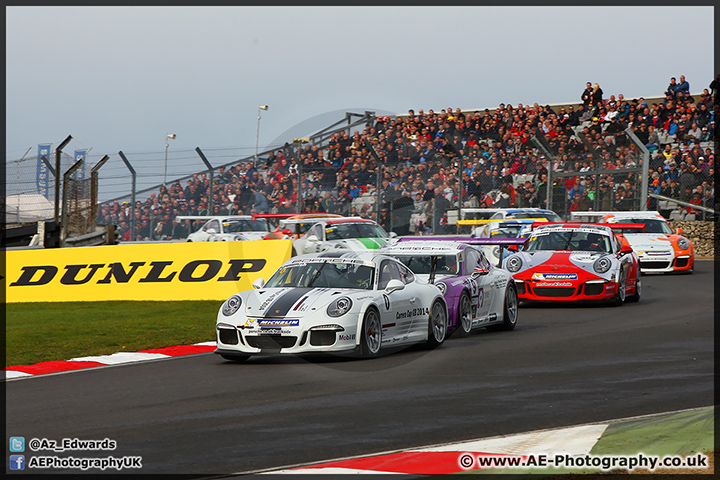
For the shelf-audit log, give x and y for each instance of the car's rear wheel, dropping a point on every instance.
(437, 325)
(464, 316)
(371, 335)
(635, 297)
(235, 358)
(510, 310)
(619, 297)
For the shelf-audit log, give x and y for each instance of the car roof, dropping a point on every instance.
(424, 248)
(364, 257)
(574, 226)
(350, 220)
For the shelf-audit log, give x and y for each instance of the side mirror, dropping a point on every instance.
(479, 272)
(394, 285)
(680, 230)
(312, 238)
(393, 234)
(258, 283)
(625, 250)
(210, 231)
(512, 248)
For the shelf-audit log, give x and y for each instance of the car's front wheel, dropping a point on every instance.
(635, 297)
(371, 334)
(464, 316)
(510, 310)
(437, 325)
(619, 297)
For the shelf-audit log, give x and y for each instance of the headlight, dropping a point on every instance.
(231, 305)
(443, 287)
(683, 243)
(602, 265)
(339, 307)
(514, 264)
(496, 251)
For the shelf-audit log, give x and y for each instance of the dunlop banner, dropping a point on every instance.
(153, 271)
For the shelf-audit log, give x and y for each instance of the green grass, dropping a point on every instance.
(38, 332)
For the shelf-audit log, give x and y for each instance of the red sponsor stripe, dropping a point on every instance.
(54, 366)
(418, 463)
(180, 350)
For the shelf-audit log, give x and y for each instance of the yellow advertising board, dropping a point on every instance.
(152, 271)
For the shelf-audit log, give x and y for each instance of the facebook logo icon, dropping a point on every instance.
(17, 462)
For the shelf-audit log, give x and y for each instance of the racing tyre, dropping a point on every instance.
(464, 316)
(619, 297)
(638, 290)
(235, 358)
(371, 335)
(437, 326)
(510, 310)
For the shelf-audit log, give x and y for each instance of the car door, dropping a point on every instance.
(313, 246)
(479, 269)
(395, 319)
(419, 305)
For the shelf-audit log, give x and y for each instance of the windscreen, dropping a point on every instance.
(652, 225)
(550, 217)
(339, 231)
(570, 240)
(507, 231)
(421, 265)
(324, 275)
(235, 226)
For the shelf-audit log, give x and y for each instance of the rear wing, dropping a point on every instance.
(513, 220)
(503, 243)
(615, 227)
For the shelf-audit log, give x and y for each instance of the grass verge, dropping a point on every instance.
(39, 332)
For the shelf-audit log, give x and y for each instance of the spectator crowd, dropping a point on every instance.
(429, 161)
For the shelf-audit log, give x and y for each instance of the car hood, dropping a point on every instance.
(558, 261)
(649, 241)
(295, 302)
(358, 243)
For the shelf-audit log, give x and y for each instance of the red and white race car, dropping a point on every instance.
(576, 261)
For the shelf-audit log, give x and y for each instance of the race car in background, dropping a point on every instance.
(477, 294)
(227, 228)
(293, 225)
(574, 261)
(501, 228)
(660, 249)
(333, 302)
(347, 233)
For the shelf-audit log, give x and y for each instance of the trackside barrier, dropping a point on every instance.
(158, 271)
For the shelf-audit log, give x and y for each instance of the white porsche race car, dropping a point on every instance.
(349, 234)
(333, 302)
(228, 228)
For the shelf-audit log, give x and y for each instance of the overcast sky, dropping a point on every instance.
(121, 78)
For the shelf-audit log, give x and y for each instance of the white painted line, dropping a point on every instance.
(16, 374)
(209, 344)
(120, 357)
(573, 441)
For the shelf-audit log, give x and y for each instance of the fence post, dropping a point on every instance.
(212, 184)
(541, 143)
(645, 167)
(94, 190)
(66, 175)
(133, 175)
(58, 152)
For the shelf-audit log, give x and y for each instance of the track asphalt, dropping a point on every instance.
(563, 366)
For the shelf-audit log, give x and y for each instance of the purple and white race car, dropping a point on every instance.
(477, 293)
